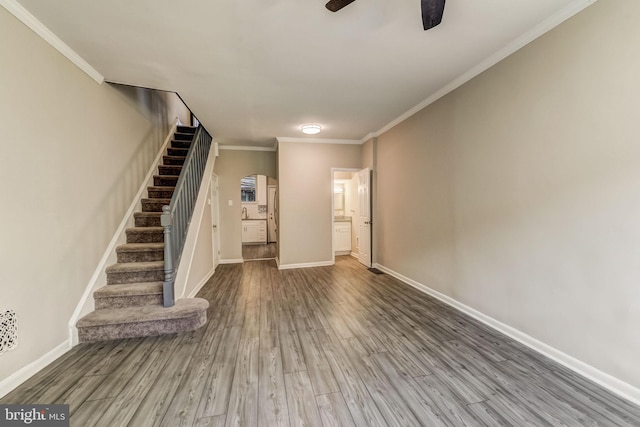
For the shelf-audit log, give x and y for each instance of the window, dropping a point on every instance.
(248, 189)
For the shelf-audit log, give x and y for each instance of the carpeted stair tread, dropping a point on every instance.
(182, 152)
(139, 247)
(187, 129)
(148, 313)
(129, 289)
(183, 136)
(134, 267)
(147, 219)
(172, 170)
(140, 252)
(143, 321)
(173, 160)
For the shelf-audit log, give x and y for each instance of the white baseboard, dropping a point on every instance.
(611, 383)
(305, 265)
(355, 255)
(232, 261)
(20, 376)
(203, 282)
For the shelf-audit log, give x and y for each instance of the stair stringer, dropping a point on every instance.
(188, 283)
(86, 304)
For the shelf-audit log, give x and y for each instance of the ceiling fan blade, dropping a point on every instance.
(432, 11)
(336, 5)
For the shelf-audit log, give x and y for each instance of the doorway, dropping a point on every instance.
(259, 217)
(351, 214)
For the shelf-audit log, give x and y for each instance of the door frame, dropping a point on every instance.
(333, 240)
(215, 205)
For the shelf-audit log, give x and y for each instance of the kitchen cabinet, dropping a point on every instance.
(342, 237)
(254, 231)
(261, 190)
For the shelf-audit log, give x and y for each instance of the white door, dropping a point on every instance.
(215, 237)
(364, 218)
(272, 222)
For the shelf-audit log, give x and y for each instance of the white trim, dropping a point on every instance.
(109, 253)
(319, 140)
(47, 35)
(245, 148)
(355, 255)
(26, 372)
(203, 282)
(540, 29)
(202, 205)
(232, 261)
(305, 265)
(278, 263)
(621, 388)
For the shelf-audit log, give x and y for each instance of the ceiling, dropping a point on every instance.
(253, 70)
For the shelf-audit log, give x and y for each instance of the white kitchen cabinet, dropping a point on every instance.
(261, 190)
(254, 231)
(342, 237)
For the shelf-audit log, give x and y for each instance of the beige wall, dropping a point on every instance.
(526, 204)
(305, 198)
(74, 154)
(230, 167)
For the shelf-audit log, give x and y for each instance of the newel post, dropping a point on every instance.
(166, 221)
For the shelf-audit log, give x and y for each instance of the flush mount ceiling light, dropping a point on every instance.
(310, 129)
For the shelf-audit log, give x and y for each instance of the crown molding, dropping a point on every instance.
(245, 148)
(319, 140)
(540, 29)
(17, 10)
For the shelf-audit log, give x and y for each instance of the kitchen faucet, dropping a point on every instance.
(244, 213)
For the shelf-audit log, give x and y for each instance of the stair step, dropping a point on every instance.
(187, 129)
(147, 219)
(169, 170)
(145, 235)
(143, 321)
(154, 205)
(160, 192)
(128, 295)
(180, 144)
(140, 252)
(177, 152)
(182, 136)
(135, 272)
(165, 181)
(173, 160)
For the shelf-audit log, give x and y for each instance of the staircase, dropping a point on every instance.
(130, 305)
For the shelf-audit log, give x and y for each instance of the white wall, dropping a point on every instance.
(305, 198)
(74, 154)
(528, 207)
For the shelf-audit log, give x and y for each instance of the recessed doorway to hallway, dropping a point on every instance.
(259, 217)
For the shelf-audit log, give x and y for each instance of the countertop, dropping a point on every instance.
(342, 218)
(254, 219)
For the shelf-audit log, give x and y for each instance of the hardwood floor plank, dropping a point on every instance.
(333, 410)
(301, 401)
(243, 402)
(154, 406)
(357, 397)
(272, 395)
(215, 398)
(90, 412)
(336, 345)
(183, 406)
(318, 368)
(217, 421)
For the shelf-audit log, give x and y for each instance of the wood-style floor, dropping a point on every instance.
(328, 346)
(254, 252)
